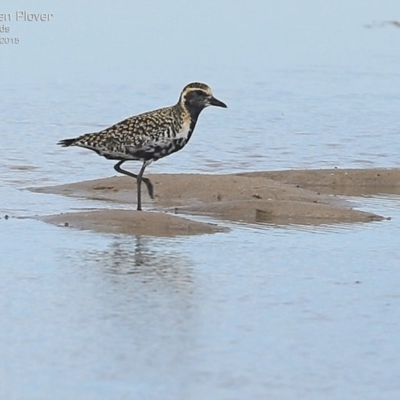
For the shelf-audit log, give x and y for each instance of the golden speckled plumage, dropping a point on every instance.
(151, 135)
(135, 138)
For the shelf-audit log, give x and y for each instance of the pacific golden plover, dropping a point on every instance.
(150, 136)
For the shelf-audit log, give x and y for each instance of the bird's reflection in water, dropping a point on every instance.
(151, 259)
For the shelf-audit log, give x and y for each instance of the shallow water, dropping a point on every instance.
(260, 312)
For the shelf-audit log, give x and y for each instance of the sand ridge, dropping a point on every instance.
(273, 197)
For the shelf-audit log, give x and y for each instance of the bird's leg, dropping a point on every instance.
(139, 180)
(147, 181)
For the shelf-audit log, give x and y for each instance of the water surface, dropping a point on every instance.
(259, 312)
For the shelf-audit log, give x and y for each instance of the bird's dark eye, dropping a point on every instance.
(200, 93)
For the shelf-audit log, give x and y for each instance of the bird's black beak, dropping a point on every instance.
(215, 102)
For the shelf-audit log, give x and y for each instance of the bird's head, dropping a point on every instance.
(197, 96)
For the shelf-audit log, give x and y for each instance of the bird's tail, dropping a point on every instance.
(66, 142)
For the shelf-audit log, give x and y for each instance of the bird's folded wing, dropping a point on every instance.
(148, 145)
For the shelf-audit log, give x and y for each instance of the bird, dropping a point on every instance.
(149, 136)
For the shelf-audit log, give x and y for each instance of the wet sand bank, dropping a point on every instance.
(276, 197)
